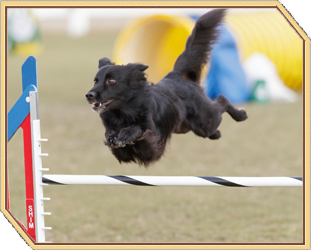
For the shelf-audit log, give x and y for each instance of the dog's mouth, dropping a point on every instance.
(98, 106)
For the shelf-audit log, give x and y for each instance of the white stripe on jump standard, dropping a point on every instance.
(171, 180)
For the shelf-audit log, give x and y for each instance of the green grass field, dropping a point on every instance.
(269, 143)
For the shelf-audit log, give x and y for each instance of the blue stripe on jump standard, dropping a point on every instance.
(29, 73)
(18, 112)
(21, 108)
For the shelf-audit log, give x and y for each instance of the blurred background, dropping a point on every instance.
(257, 63)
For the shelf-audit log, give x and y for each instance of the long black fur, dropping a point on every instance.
(140, 117)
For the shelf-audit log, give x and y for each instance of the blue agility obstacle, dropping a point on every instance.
(21, 108)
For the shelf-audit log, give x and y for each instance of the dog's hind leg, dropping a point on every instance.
(205, 128)
(236, 114)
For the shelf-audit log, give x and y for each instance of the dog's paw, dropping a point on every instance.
(215, 136)
(108, 142)
(111, 141)
(243, 114)
(121, 143)
(125, 137)
(114, 142)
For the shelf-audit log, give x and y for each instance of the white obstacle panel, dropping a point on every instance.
(38, 169)
(39, 199)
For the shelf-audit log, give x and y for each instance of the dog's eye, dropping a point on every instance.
(95, 82)
(110, 81)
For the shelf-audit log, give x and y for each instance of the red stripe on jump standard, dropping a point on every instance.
(29, 178)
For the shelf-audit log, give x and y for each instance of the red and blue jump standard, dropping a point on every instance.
(19, 117)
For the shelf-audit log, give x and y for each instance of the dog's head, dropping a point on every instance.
(115, 85)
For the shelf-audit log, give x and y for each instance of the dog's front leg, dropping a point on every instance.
(111, 136)
(128, 135)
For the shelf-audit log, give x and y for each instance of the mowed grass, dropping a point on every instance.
(269, 143)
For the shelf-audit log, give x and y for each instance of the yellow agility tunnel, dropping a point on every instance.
(158, 40)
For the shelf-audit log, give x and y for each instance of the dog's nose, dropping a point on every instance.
(90, 95)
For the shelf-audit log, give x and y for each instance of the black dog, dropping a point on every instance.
(140, 117)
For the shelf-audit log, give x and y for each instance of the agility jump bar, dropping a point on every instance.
(172, 180)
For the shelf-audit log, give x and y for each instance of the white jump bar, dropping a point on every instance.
(172, 180)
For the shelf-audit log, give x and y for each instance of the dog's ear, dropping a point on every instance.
(137, 75)
(140, 67)
(137, 66)
(103, 62)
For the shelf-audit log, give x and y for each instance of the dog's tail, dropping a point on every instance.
(199, 44)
